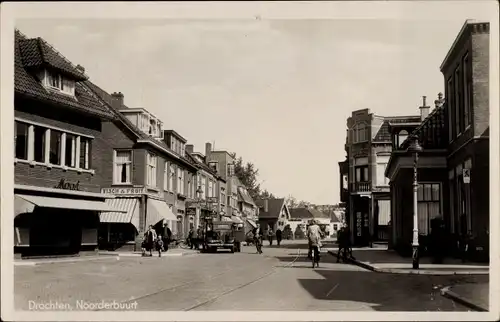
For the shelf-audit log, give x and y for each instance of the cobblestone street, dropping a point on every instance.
(280, 279)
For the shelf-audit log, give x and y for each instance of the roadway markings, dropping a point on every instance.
(333, 289)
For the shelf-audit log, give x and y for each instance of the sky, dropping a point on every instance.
(275, 91)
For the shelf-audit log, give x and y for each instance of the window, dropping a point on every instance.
(39, 144)
(451, 182)
(190, 187)
(222, 198)
(172, 144)
(457, 101)
(451, 108)
(21, 141)
(203, 187)
(429, 205)
(165, 177)
(198, 189)
(55, 147)
(47, 145)
(123, 169)
(360, 133)
(171, 174)
(84, 153)
(151, 171)
(362, 174)
(180, 181)
(210, 188)
(382, 180)
(402, 136)
(59, 83)
(182, 149)
(230, 169)
(467, 86)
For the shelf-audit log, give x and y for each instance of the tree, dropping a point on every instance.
(247, 174)
(291, 202)
(266, 195)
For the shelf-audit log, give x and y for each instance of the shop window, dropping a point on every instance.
(429, 205)
(123, 167)
(21, 141)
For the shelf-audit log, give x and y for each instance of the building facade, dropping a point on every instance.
(368, 146)
(57, 197)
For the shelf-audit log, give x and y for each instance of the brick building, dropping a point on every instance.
(57, 176)
(466, 75)
(364, 187)
(149, 180)
(453, 169)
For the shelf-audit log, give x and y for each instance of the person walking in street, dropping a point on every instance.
(341, 241)
(278, 236)
(257, 238)
(314, 237)
(159, 245)
(270, 235)
(150, 238)
(189, 238)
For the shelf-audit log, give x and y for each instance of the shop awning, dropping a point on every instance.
(237, 220)
(158, 210)
(129, 208)
(63, 203)
(252, 223)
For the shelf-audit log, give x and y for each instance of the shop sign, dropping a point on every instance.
(67, 185)
(124, 191)
(191, 211)
(466, 175)
(359, 224)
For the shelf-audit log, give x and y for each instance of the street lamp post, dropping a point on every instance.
(415, 148)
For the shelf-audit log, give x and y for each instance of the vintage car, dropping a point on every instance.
(220, 235)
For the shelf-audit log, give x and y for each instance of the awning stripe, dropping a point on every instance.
(252, 223)
(384, 212)
(67, 203)
(130, 206)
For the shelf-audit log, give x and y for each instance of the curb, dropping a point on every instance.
(446, 292)
(76, 260)
(411, 271)
(162, 255)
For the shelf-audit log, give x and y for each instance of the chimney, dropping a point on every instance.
(266, 205)
(440, 101)
(117, 100)
(424, 109)
(189, 148)
(208, 151)
(80, 68)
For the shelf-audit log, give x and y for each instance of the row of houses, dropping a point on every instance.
(91, 171)
(452, 169)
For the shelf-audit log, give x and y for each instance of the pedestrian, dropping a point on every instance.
(270, 235)
(199, 237)
(341, 241)
(257, 238)
(309, 245)
(314, 237)
(189, 238)
(159, 245)
(150, 238)
(278, 236)
(167, 237)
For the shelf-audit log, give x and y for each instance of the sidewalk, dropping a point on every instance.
(474, 296)
(101, 255)
(386, 261)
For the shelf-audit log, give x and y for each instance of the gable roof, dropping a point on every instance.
(202, 165)
(274, 207)
(384, 133)
(307, 213)
(28, 58)
(145, 138)
(336, 216)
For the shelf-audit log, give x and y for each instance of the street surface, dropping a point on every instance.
(279, 279)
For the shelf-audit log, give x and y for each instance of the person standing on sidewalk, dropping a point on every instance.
(278, 236)
(167, 238)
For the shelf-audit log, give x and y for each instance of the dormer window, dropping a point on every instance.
(57, 82)
(214, 166)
